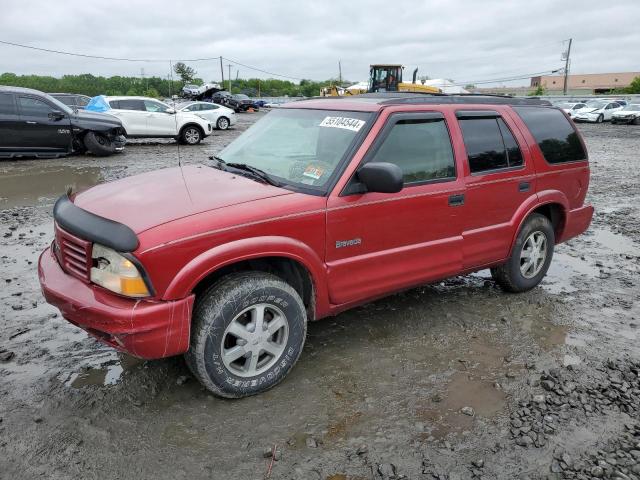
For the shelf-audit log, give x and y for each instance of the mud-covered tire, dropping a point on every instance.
(98, 144)
(191, 135)
(510, 275)
(223, 123)
(223, 304)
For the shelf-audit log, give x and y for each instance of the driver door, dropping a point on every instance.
(159, 122)
(41, 128)
(381, 242)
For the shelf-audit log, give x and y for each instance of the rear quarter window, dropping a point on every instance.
(554, 134)
(7, 105)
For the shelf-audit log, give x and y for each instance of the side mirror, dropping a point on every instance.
(381, 177)
(56, 115)
(170, 111)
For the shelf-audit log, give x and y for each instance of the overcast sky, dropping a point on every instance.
(464, 40)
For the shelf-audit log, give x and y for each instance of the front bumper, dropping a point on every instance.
(142, 328)
(586, 118)
(629, 119)
(119, 142)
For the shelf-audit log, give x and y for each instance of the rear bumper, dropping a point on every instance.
(577, 222)
(141, 328)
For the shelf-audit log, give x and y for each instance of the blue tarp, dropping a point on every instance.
(98, 104)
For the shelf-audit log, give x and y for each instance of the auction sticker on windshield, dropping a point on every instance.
(347, 123)
(313, 172)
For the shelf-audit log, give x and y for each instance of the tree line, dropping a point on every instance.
(92, 85)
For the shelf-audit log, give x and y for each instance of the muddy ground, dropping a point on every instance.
(450, 381)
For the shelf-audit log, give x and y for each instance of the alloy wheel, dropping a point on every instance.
(533, 254)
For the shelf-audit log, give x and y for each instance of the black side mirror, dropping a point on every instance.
(56, 115)
(381, 177)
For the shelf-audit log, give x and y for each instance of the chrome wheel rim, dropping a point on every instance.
(192, 135)
(223, 124)
(254, 340)
(533, 254)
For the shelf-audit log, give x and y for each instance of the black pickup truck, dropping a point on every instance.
(34, 124)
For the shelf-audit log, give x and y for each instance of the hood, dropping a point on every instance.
(151, 199)
(85, 117)
(589, 110)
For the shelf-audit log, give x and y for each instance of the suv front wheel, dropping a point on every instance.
(248, 332)
(191, 135)
(530, 257)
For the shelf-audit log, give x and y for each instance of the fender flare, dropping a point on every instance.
(220, 256)
(544, 197)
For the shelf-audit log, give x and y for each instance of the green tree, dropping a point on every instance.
(540, 90)
(185, 72)
(634, 86)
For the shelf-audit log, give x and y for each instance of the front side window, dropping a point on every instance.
(33, 107)
(490, 144)
(83, 101)
(298, 146)
(421, 148)
(152, 106)
(556, 137)
(7, 105)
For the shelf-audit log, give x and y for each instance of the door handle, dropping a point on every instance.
(31, 122)
(456, 200)
(524, 186)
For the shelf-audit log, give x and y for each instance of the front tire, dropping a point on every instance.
(530, 257)
(191, 135)
(222, 123)
(248, 332)
(600, 118)
(98, 144)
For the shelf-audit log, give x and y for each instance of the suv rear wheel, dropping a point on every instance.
(248, 332)
(530, 257)
(191, 135)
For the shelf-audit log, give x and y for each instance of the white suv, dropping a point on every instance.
(144, 117)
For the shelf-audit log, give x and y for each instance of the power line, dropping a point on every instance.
(260, 70)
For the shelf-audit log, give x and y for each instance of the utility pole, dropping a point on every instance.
(221, 72)
(340, 72)
(566, 67)
(229, 65)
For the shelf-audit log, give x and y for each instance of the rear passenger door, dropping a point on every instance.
(133, 114)
(9, 123)
(499, 180)
(380, 242)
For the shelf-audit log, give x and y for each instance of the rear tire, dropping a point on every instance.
(191, 135)
(99, 144)
(530, 256)
(248, 332)
(223, 123)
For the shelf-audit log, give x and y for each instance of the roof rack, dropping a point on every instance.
(394, 98)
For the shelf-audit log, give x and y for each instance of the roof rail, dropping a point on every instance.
(393, 98)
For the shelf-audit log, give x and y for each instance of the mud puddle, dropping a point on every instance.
(42, 184)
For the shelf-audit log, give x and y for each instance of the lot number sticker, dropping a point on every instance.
(347, 123)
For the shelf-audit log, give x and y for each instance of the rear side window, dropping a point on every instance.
(555, 136)
(421, 148)
(7, 105)
(490, 144)
(129, 105)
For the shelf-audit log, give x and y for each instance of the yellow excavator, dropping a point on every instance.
(383, 77)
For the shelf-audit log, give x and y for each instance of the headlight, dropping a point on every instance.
(117, 273)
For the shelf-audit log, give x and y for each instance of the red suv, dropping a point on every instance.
(321, 205)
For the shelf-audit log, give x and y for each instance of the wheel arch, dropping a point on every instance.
(191, 124)
(287, 258)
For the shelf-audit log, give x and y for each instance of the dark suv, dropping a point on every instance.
(320, 206)
(35, 124)
(238, 102)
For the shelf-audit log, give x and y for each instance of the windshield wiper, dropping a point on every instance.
(256, 172)
(253, 171)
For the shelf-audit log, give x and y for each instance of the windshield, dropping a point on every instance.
(58, 104)
(632, 106)
(297, 146)
(596, 104)
(191, 86)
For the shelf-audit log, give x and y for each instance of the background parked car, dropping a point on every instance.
(244, 102)
(571, 107)
(220, 117)
(73, 100)
(629, 114)
(35, 124)
(144, 117)
(596, 111)
(225, 99)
